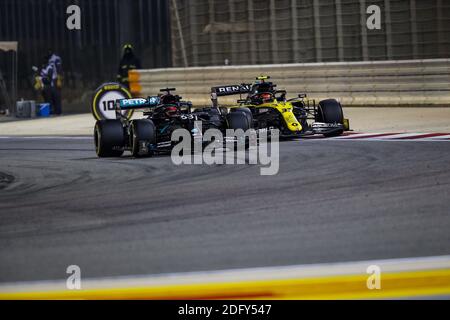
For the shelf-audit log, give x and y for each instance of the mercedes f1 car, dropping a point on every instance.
(266, 108)
(162, 115)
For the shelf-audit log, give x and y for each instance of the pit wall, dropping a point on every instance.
(376, 83)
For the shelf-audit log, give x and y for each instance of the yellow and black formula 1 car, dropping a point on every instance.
(267, 108)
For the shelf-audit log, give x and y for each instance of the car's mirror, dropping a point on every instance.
(223, 110)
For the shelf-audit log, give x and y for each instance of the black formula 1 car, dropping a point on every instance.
(162, 115)
(267, 107)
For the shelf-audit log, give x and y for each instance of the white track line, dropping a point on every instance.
(437, 138)
(415, 136)
(356, 136)
(48, 137)
(401, 140)
(246, 274)
(401, 136)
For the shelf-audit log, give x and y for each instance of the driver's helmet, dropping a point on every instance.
(263, 87)
(266, 97)
(262, 93)
(168, 99)
(171, 111)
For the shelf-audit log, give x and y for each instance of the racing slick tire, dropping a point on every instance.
(330, 111)
(109, 138)
(142, 131)
(247, 113)
(239, 120)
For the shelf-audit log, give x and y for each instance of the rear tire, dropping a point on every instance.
(142, 131)
(109, 138)
(247, 112)
(330, 111)
(238, 120)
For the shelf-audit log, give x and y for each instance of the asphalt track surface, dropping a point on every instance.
(332, 201)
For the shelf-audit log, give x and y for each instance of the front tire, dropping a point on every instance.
(330, 111)
(109, 138)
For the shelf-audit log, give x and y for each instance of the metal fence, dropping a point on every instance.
(90, 55)
(374, 83)
(214, 32)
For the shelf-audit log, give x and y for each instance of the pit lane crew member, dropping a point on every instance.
(128, 62)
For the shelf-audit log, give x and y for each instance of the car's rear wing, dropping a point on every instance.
(138, 103)
(149, 103)
(229, 90)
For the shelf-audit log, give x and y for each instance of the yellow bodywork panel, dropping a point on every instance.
(286, 110)
(346, 125)
(288, 116)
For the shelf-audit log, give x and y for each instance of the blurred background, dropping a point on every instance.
(288, 31)
(179, 33)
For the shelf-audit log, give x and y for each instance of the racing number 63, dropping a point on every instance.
(186, 117)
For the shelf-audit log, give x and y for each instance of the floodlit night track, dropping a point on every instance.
(330, 202)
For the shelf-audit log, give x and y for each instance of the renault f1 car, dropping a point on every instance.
(163, 114)
(266, 108)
